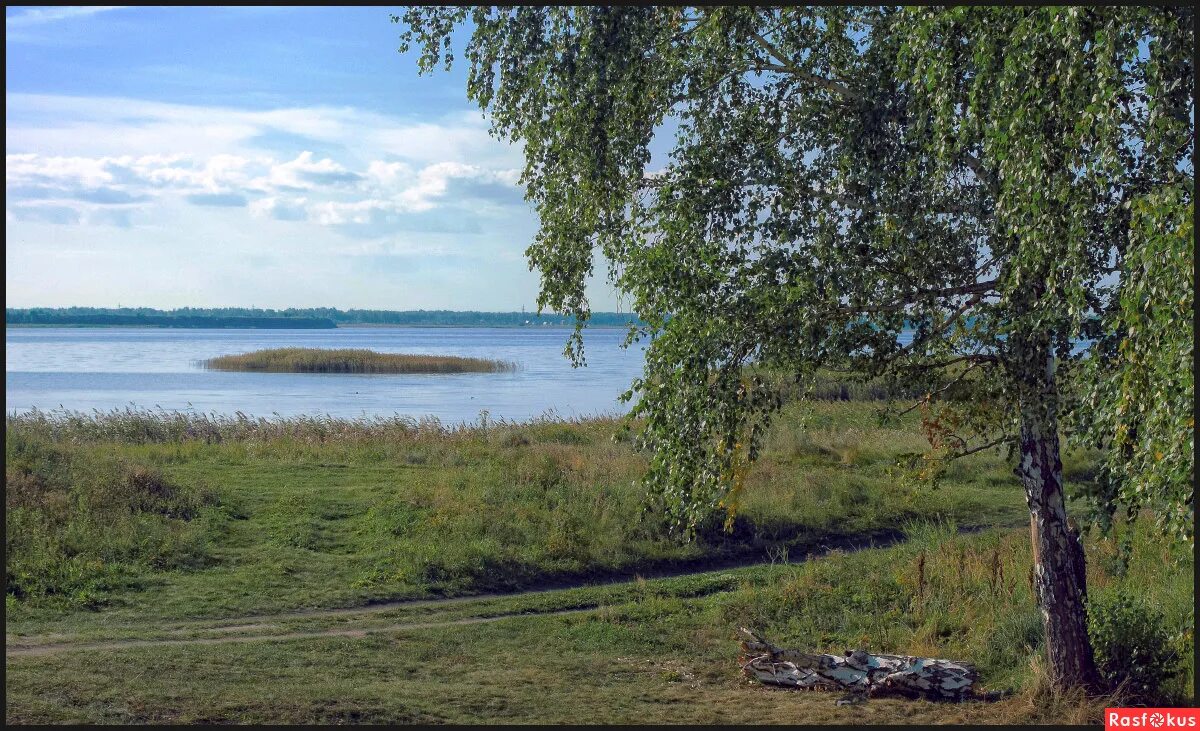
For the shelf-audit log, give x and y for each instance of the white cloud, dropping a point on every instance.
(375, 169)
(32, 168)
(68, 148)
(334, 194)
(61, 125)
(335, 213)
(382, 173)
(280, 208)
(302, 200)
(74, 182)
(38, 16)
(433, 181)
(305, 173)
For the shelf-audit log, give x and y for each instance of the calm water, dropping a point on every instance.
(105, 368)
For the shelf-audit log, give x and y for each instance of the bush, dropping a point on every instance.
(1133, 647)
(80, 524)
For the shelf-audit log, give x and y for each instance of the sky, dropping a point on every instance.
(266, 157)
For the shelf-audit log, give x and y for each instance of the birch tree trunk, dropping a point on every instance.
(1058, 562)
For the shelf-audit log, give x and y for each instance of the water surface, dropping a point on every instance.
(105, 368)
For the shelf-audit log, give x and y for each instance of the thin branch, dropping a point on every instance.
(908, 349)
(967, 358)
(987, 264)
(982, 447)
(786, 65)
(978, 288)
(977, 168)
(929, 396)
(847, 201)
(694, 95)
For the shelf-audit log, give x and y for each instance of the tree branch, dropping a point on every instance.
(979, 288)
(929, 396)
(966, 358)
(785, 65)
(906, 350)
(847, 201)
(977, 168)
(982, 447)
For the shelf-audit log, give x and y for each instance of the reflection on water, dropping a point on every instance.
(105, 368)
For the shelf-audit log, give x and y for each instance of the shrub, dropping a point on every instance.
(1133, 647)
(79, 524)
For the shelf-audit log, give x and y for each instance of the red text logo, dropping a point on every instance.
(1150, 718)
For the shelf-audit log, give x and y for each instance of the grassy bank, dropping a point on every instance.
(351, 360)
(313, 512)
(270, 517)
(657, 651)
(80, 526)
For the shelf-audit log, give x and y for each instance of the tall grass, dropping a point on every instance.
(945, 594)
(81, 523)
(146, 426)
(351, 360)
(386, 507)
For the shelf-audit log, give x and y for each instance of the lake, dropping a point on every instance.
(106, 368)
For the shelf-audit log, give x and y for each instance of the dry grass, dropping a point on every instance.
(351, 360)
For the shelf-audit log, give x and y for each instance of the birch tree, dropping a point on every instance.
(840, 178)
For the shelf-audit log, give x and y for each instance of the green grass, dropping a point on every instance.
(657, 651)
(287, 515)
(350, 360)
(332, 514)
(80, 526)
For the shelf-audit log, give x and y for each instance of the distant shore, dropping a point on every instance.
(350, 326)
(546, 326)
(296, 319)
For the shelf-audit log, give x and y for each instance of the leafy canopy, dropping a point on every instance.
(1002, 182)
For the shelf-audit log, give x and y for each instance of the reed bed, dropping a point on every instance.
(159, 426)
(351, 360)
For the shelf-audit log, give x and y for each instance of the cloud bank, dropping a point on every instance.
(113, 199)
(377, 170)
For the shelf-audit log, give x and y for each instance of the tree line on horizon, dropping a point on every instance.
(315, 317)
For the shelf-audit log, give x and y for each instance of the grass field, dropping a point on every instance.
(128, 533)
(350, 360)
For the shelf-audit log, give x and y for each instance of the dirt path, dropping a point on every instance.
(51, 648)
(257, 628)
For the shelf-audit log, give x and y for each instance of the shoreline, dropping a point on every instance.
(199, 423)
(353, 326)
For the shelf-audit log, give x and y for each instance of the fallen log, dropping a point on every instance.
(857, 672)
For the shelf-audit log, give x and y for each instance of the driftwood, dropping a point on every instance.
(858, 673)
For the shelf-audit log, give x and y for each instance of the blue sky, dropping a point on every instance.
(274, 157)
